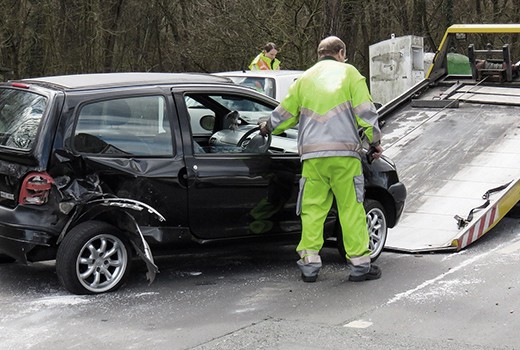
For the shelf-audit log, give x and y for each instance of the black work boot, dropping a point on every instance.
(309, 279)
(373, 274)
(309, 271)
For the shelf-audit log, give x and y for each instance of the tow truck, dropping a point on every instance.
(456, 142)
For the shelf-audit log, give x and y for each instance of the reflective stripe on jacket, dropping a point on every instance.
(262, 62)
(330, 102)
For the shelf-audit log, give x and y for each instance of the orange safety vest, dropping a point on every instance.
(263, 65)
(261, 62)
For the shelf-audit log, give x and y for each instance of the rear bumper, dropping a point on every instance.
(17, 243)
(398, 192)
(22, 229)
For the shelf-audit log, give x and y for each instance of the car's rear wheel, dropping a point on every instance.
(93, 258)
(377, 229)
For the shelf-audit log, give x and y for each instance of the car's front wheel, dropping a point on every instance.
(93, 258)
(377, 229)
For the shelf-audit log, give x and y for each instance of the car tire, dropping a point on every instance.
(4, 259)
(94, 257)
(377, 229)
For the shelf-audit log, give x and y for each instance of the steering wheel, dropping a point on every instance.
(257, 143)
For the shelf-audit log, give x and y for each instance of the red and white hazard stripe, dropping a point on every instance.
(478, 228)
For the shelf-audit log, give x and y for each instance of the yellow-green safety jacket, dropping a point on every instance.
(330, 102)
(262, 62)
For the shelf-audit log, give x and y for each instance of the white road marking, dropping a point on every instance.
(241, 311)
(428, 283)
(358, 324)
(510, 248)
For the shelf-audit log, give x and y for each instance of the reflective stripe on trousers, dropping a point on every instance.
(310, 262)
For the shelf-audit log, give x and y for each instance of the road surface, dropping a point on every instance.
(252, 298)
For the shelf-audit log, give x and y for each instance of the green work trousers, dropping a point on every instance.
(324, 179)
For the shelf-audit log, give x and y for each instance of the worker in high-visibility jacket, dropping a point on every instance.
(330, 102)
(266, 60)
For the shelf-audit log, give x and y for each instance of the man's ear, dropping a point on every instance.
(340, 54)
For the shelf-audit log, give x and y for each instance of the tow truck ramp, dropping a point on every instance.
(449, 158)
(455, 139)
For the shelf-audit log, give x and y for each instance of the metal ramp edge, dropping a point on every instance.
(489, 217)
(482, 223)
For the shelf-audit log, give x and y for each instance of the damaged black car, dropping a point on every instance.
(99, 169)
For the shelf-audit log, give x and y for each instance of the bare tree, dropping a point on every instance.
(77, 36)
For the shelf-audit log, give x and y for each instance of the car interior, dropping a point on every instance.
(225, 123)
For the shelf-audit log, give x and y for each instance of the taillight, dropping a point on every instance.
(20, 85)
(35, 189)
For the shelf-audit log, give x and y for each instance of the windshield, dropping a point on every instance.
(20, 116)
(260, 84)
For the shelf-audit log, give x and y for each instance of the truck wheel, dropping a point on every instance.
(377, 229)
(93, 258)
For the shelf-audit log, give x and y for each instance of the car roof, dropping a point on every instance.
(261, 73)
(105, 80)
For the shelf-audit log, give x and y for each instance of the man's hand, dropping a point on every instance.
(264, 130)
(374, 152)
(378, 152)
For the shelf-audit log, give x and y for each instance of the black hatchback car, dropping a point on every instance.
(98, 168)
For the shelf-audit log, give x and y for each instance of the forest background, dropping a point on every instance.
(49, 37)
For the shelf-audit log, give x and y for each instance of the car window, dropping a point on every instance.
(241, 104)
(203, 108)
(20, 116)
(219, 121)
(135, 126)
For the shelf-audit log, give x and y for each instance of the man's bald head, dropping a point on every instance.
(331, 46)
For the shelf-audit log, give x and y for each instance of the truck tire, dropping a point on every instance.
(377, 229)
(94, 257)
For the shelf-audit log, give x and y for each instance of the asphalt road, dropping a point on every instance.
(252, 298)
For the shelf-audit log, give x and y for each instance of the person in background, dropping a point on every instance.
(330, 102)
(266, 60)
